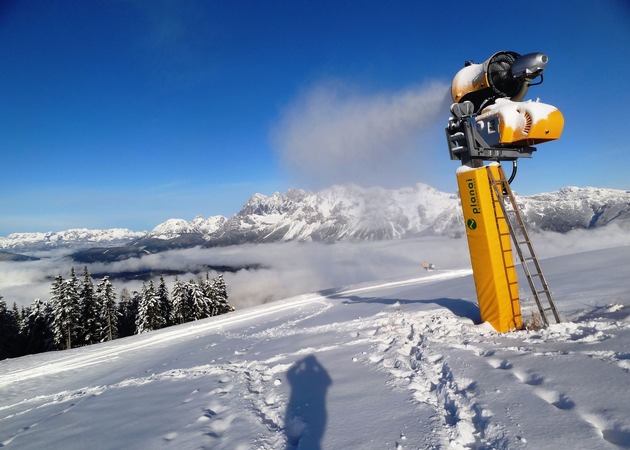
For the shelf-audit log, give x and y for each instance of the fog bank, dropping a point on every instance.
(292, 268)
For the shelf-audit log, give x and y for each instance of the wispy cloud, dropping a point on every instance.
(334, 134)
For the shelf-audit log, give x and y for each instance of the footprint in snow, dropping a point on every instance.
(623, 360)
(532, 379)
(611, 430)
(559, 400)
(170, 436)
(502, 364)
(191, 397)
(226, 387)
(218, 427)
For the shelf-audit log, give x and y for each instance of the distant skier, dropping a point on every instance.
(428, 266)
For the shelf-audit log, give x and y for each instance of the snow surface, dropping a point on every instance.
(513, 113)
(393, 364)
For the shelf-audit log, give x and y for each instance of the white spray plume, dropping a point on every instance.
(332, 134)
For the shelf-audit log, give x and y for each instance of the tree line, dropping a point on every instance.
(81, 313)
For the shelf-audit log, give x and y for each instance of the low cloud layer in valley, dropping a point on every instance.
(287, 269)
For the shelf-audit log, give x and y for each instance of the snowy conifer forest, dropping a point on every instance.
(81, 313)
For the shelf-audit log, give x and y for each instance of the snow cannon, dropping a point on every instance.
(490, 121)
(503, 75)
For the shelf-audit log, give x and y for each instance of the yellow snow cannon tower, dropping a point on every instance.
(491, 122)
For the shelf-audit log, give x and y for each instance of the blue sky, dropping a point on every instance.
(127, 113)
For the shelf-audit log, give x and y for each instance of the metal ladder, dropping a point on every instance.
(523, 244)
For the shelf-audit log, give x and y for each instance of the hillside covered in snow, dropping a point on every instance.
(397, 363)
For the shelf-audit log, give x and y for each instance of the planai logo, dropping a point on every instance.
(473, 196)
(471, 224)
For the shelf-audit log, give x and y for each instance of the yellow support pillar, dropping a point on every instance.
(490, 248)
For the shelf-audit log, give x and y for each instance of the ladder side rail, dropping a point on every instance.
(547, 291)
(534, 257)
(528, 275)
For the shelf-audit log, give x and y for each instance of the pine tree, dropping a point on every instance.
(37, 328)
(208, 289)
(220, 295)
(149, 312)
(165, 302)
(89, 319)
(9, 332)
(201, 306)
(73, 292)
(181, 308)
(128, 313)
(62, 319)
(65, 306)
(108, 314)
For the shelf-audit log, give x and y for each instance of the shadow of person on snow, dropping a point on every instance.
(305, 418)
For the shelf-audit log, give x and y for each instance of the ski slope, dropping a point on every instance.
(393, 364)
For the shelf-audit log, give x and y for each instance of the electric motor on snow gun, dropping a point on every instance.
(489, 119)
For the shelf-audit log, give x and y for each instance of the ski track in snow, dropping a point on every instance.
(416, 349)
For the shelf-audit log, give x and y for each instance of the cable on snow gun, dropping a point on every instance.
(490, 121)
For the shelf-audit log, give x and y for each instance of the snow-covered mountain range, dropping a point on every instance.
(73, 238)
(346, 212)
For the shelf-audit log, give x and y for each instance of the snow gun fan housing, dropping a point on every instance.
(482, 83)
(490, 119)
